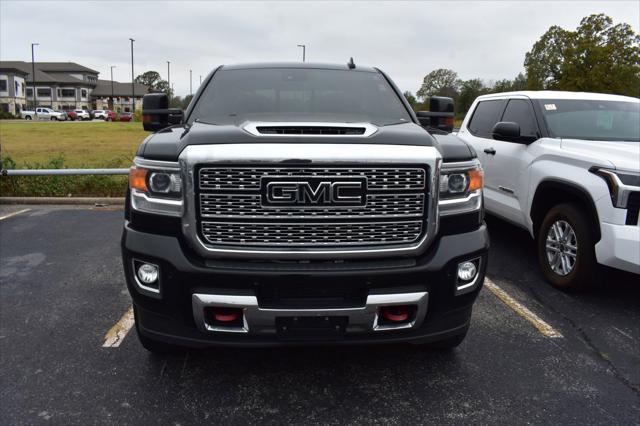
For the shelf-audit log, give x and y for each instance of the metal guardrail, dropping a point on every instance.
(63, 172)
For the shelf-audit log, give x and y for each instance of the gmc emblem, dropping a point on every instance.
(304, 191)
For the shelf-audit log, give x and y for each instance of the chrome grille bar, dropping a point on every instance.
(248, 178)
(311, 234)
(230, 206)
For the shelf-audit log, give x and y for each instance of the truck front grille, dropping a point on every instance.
(232, 208)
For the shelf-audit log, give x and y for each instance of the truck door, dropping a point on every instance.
(507, 173)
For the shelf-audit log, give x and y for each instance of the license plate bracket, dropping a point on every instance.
(312, 328)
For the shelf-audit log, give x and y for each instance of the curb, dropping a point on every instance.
(113, 201)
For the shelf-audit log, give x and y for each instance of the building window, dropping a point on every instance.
(84, 93)
(17, 87)
(3, 85)
(43, 93)
(30, 92)
(67, 93)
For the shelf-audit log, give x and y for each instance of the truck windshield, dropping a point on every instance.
(592, 119)
(301, 95)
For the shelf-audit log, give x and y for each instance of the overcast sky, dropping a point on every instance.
(406, 39)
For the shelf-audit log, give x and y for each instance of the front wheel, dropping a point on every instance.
(54, 119)
(566, 248)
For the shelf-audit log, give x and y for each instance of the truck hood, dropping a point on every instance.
(167, 144)
(621, 155)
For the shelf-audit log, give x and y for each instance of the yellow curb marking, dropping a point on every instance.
(7, 216)
(521, 310)
(119, 331)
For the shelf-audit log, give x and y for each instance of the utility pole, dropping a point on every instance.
(112, 67)
(190, 82)
(33, 74)
(169, 80)
(133, 87)
(304, 51)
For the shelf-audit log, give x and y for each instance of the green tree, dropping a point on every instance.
(411, 99)
(598, 57)
(186, 101)
(154, 82)
(469, 91)
(440, 82)
(519, 83)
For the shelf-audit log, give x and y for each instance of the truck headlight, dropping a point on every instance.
(620, 184)
(156, 190)
(460, 187)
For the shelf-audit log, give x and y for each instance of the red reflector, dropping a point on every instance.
(449, 121)
(395, 313)
(227, 314)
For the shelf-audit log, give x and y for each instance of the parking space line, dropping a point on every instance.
(7, 216)
(118, 332)
(521, 310)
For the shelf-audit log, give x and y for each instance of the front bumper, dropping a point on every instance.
(619, 247)
(270, 293)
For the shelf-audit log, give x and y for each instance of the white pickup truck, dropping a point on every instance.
(566, 167)
(43, 114)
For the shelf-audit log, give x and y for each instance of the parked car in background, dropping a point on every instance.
(81, 114)
(71, 115)
(43, 114)
(566, 167)
(99, 114)
(110, 115)
(126, 116)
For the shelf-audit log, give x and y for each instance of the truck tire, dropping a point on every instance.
(28, 117)
(54, 119)
(566, 250)
(153, 346)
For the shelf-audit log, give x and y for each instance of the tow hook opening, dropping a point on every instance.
(224, 317)
(397, 314)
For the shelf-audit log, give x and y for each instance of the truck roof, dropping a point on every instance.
(556, 94)
(309, 65)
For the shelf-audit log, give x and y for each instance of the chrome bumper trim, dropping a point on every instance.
(257, 320)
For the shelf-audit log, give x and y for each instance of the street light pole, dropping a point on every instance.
(304, 51)
(112, 67)
(169, 80)
(190, 82)
(33, 73)
(133, 89)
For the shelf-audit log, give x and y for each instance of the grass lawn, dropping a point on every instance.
(82, 144)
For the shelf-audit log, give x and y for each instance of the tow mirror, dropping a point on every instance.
(156, 114)
(440, 115)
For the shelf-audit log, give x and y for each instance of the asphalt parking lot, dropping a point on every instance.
(62, 289)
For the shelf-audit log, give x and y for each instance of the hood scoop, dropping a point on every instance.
(310, 129)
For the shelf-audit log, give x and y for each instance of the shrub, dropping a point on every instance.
(6, 115)
(58, 186)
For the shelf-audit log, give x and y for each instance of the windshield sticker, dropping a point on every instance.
(550, 107)
(604, 120)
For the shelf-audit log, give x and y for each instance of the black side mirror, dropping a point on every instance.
(440, 115)
(156, 114)
(506, 131)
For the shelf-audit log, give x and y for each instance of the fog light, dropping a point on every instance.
(147, 273)
(467, 271)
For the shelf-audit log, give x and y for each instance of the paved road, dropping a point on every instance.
(61, 289)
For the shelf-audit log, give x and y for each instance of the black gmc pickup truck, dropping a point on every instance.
(298, 204)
